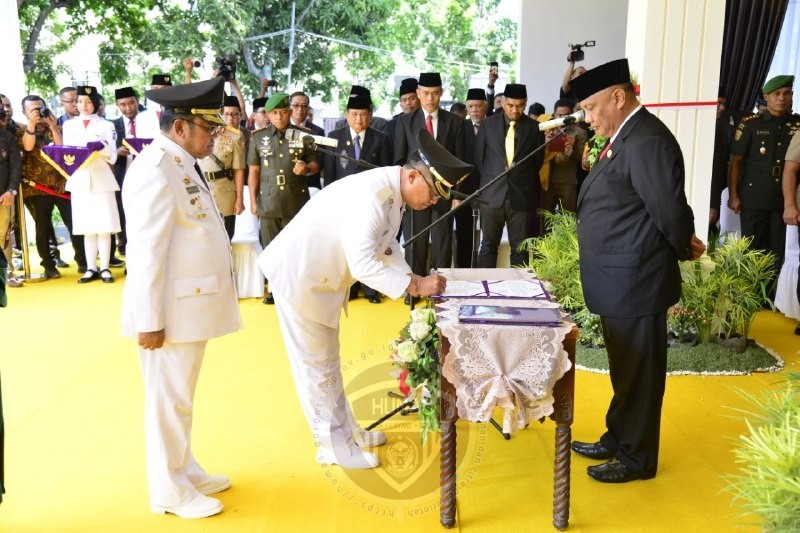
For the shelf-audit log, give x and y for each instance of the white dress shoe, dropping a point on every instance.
(347, 456)
(213, 484)
(200, 507)
(368, 439)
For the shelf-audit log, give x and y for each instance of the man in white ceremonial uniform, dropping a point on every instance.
(313, 262)
(180, 289)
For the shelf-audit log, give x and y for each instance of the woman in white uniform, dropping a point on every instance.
(94, 207)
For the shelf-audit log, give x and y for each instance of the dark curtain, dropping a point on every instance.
(752, 28)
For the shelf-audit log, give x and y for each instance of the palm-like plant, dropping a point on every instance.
(768, 481)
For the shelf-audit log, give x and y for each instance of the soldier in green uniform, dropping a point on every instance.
(756, 168)
(278, 165)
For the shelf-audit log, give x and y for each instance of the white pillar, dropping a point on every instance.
(674, 47)
(13, 78)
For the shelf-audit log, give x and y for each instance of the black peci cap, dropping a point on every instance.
(476, 94)
(595, 80)
(161, 79)
(517, 91)
(408, 85)
(258, 103)
(231, 101)
(359, 102)
(91, 92)
(125, 92)
(430, 79)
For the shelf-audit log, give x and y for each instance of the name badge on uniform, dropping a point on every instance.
(192, 189)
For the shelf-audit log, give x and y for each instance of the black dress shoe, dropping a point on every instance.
(269, 300)
(60, 263)
(353, 292)
(374, 299)
(594, 450)
(797, 330)
(615, 472)
(115, 262)
(51, 272)
(106, 276)
(90, 275)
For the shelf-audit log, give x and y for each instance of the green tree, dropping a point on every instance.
(50, 27)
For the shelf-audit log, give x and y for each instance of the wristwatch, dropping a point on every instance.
(13, 192)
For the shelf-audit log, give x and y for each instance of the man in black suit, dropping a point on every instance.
(476, 111)
(409, 102)
(358, 141)
(503, 140)
(125, 125)
(634, 225)
(298, 103)
(448, 130)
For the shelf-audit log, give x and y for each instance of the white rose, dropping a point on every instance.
(407, 351)
(423, 315)
(419, 330)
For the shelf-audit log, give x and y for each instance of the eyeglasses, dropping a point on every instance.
(434, 193)
(69, 102)
(212, 130)
(299, 106)
(234, 114)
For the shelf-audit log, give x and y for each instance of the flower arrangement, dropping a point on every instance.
(416, 354)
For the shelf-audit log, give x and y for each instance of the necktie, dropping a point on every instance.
(510, 142)
(608, 145)
(158, 114)
(200, 173)
(429, 124)
(357, 146)
(477, 126)
(86, 123)
(132, 129)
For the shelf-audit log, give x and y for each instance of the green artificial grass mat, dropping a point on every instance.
(708, 358)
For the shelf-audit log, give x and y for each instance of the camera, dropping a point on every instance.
(196, 63)
(576, 54)
(226, 66)
(272, 83)
(3, 114)
(44, 112)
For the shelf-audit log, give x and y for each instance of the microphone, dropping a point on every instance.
(577, 116)
(319, 139)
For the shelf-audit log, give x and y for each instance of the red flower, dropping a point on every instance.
(636, 89)
(404, 388)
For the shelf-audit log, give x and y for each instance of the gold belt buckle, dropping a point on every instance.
(281, 179)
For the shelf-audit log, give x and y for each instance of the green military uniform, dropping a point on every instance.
(281, 192)
(761, 141)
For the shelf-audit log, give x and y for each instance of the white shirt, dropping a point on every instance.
(435, 121)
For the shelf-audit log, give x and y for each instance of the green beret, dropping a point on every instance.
(778, 82)
(277, 101)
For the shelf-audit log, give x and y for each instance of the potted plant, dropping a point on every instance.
(767, 483)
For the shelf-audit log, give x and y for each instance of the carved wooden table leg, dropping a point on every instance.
(564, 394)
(447, 421)
(561, 481)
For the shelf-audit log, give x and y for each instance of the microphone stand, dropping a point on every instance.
(474, 196)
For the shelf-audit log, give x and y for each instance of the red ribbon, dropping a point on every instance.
(47, 190)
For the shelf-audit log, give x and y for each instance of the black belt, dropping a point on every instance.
(219, 174)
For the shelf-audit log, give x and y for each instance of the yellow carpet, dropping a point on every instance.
(72, 394)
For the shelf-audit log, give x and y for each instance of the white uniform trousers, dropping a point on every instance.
(313, 351)
(170, 377)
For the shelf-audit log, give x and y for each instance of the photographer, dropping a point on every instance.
(575, 55)
(42, 186)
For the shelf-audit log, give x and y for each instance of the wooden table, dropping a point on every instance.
(563, 393)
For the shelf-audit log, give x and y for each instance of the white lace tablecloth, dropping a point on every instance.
(512, 367)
